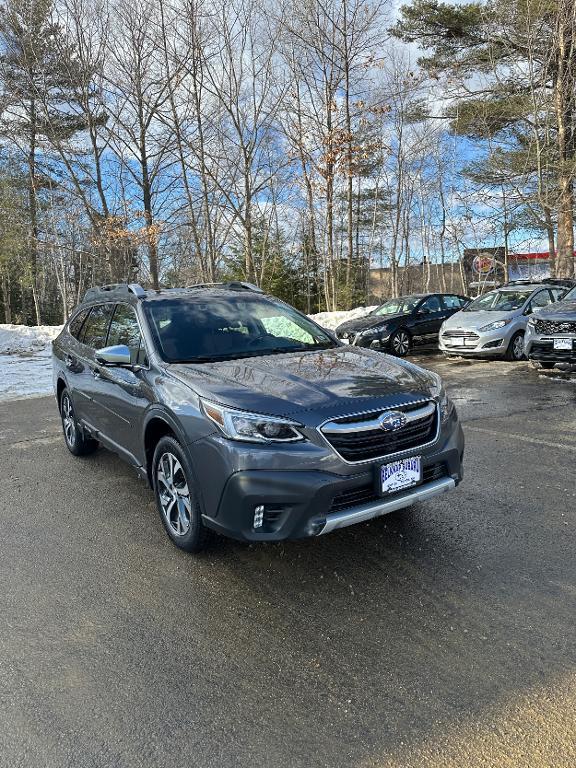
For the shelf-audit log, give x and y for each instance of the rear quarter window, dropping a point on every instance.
(76, 323)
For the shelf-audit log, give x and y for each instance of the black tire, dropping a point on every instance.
(176, 499)
(515, 351)
(400, 343)
(77, 442)
(547, 365)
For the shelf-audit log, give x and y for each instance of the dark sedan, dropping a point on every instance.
(399, 325)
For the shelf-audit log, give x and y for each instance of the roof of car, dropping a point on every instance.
(133, 292)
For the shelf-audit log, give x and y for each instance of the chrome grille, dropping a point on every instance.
(460, 335)
(555, 326)
(362, 438)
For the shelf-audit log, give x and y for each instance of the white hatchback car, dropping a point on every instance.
(493, 325)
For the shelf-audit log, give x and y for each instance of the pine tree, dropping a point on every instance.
(514, 65)
(35, 69)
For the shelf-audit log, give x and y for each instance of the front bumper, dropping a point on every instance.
(303, 503)
(477, 343)
(379, 342)
(541, 349)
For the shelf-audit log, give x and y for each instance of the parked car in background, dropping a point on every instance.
(551, 334)
(493, 325)
(246, 417)
(400, 325)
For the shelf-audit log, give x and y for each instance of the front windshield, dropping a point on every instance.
(499, 301)
(197, 330)
(401, 306)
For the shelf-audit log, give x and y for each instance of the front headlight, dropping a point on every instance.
(251, 427)
(373, 331)
(446, 405)
(495, 325)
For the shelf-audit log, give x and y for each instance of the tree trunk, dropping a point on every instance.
(564, 96)
(33, 212)
(6, 298)
(149, 220)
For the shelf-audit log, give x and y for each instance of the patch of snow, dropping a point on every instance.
(25, 360)
(332, 320)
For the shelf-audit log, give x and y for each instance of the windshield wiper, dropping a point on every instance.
(255, 353)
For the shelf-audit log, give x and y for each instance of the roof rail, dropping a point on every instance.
(113, 291)
(523, 281)
(232, 285)
(567, 282)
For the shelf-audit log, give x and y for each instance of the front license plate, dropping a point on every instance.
(562, 343)
(345, 341)
(400, 474)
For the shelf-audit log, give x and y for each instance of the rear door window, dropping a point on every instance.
(95, 329)
(452, 302)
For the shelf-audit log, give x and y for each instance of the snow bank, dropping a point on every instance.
(332, 320)
(25, 364)
(16, 339)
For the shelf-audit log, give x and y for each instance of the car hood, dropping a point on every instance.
(467, 321)
(368, 321)
(333, 381)
(562, 310)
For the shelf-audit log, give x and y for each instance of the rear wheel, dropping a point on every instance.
(400, 343)
(515, 351)
(77, 442)
(176, 498)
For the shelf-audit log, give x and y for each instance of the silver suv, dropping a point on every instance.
(493, 325)
(551, 334)
(246, 417)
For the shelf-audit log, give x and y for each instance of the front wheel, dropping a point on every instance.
(515, 351)
(400, 343)
(176, 498)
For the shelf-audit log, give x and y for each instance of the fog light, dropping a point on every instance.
(258, 516)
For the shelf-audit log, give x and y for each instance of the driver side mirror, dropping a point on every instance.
(528, 310)
(424, 311)
(116, 356)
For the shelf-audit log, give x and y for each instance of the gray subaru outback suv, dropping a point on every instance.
(246, 417)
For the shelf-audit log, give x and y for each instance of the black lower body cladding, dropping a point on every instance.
(273, 505)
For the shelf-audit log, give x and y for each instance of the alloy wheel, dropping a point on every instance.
(173, 494)
(401, 343)
(68, 420)
(518, 347)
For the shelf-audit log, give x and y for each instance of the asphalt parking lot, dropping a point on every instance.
(440, 636)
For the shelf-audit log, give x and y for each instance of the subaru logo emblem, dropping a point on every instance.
(392, 421)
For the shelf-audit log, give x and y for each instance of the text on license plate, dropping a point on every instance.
(400, 474)
(562, 343)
